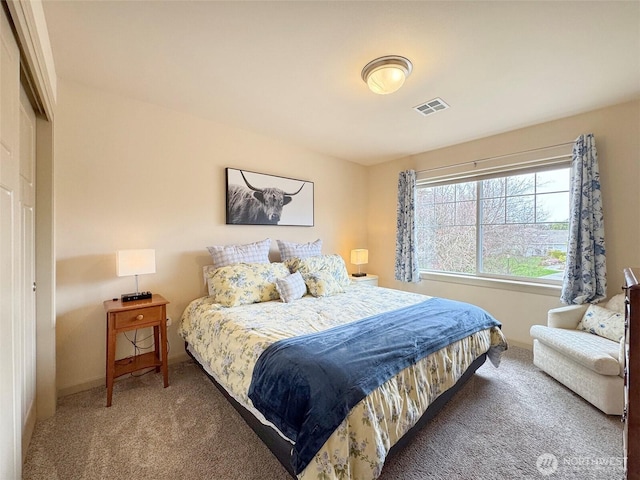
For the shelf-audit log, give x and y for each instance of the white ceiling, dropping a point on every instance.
(291, 70)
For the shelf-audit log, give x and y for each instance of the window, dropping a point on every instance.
(511, 226)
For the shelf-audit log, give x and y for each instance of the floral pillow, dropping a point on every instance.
(257, 252)
(245, 283)
(332, 264)
(291, 288)
(299, 250)
(322, 284)
(603, 322)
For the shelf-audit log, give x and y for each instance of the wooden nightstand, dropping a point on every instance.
(370, 279)
(131, 316)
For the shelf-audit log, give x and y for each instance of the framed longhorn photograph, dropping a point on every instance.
(261, 199)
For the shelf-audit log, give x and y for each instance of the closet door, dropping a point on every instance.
(28, 264)
(10, 291)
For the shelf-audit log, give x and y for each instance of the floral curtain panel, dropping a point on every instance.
(406, 269)
(585, 275)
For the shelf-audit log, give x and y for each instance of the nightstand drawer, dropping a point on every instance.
(138, 317)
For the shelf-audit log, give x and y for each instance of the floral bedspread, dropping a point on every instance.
(229, 340)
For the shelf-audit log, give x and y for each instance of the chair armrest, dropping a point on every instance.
(566, 317)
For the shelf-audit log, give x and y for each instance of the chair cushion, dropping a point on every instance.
(596, 353)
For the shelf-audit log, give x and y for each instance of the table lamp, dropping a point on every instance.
(135, 262)
(359, 256)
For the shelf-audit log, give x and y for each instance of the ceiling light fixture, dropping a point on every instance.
(386, 74)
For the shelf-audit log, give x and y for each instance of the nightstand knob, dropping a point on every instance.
(140, 317)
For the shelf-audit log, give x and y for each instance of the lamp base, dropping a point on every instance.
(131, 297)
(359, 274)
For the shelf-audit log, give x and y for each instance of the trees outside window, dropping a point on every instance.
(510, 226)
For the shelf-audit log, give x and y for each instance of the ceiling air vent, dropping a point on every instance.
(432, 106)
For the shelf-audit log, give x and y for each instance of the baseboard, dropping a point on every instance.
(27, 430)
(183, 357)
(100, 381)
(80, 387)
(526, 346)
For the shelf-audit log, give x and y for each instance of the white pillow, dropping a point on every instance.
(299, 250)
(257, 252)
(291, 287)
(603, 322)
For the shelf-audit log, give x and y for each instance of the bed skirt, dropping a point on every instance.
(281, 448)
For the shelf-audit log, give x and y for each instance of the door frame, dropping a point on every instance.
(39, 78)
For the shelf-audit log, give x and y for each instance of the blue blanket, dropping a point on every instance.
(307, 385)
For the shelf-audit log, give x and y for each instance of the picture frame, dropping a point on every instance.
(254, 198)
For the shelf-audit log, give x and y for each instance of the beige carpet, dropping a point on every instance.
(497, 427)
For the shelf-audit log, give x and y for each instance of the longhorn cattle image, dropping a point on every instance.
(250, 205)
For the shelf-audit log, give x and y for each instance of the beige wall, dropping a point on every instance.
(617, 133)
(132, 175)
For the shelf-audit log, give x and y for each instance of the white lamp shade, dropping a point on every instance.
(359, 256)
(135, 262)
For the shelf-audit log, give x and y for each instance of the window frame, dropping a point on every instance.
(479, 278)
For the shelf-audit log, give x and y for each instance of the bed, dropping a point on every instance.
(228, 334)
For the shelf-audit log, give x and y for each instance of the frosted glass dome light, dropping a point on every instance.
(385, 75)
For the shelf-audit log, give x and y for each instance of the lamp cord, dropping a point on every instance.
(137, 349)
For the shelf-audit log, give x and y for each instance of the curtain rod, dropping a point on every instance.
(475, 162)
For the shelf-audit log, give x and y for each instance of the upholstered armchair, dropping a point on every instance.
(581, 347)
